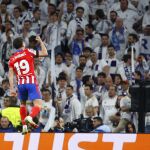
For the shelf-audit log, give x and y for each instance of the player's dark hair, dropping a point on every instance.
(18, 43)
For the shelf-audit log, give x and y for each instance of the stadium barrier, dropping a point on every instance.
(78, 141)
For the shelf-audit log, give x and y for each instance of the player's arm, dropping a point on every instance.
(11, 82)
(43, 51)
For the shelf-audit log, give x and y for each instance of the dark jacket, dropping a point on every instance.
(9, 129)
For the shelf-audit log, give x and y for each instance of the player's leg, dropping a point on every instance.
(23, 96)
(34, 112)
(23, 112)
(35, 96)
(36, 108)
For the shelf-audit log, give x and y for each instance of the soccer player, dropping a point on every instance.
(21, 64)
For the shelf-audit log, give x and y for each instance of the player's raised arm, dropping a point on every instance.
(43, 51)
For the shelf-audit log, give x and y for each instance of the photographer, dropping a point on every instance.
(99, 127)
(82, 125)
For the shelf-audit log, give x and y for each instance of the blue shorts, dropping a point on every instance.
(28, 92)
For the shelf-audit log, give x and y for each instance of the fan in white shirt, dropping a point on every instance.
(102, 49)
(83, 64)
(81, 3)
(100, 87)
(72, 109)
(70, 14)
(108, 106)
(26, 13)
(70, 67)
(118, 36)
(55, 32)
(87, 80)
(98, 65)
(17, 20)
(112, 61)
(92, 38)
(91, 99)
(8, 26)
(102, 25)
(26, 31)
(134, 42)
(98, 4)
(125, 114)
(127, 12)
(59, 65)
(2, 72)
(87, 53)
(78, 22)
(77, 45)
(3, 12)
(112, 18)
(37, 24)
(61, 94)
(47, 113)
(40, 73)
(43, 6)
(77, 82)
(125, 69)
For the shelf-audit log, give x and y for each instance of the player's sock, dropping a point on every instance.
(23, 113)
(34, 111)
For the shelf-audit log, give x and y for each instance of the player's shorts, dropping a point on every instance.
(28, 92)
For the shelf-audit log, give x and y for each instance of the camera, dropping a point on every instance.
(83, 125)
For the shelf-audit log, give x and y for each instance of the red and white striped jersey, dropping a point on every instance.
(22, 63)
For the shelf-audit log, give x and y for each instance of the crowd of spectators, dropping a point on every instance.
(93, 42)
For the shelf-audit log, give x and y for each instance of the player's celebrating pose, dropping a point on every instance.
(21, 64)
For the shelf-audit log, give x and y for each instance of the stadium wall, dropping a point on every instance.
(79, 141)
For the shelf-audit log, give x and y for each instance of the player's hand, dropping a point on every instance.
(38, 39)
(13, 93)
